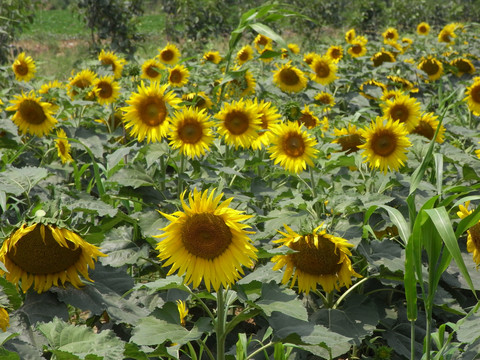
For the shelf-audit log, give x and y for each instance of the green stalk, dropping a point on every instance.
(259, 350)
(181, 169)
(412, 339)
(220, 324)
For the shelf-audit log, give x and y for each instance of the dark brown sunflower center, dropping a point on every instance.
(243, 56)
(293, 145)
(289, 77)
(424, 129)
(335, 53)
(262, 41)
(422, 29)
(382, 57)
(430, 67)
(62, 148)
(356, 49)
(324, 99)
(210, 57)
(237, 122)
(384, 143)
(475, 94)
(153, 111)
(39, 256)
(167, 55)
(390, 35)
(175, 77)
(463, 66)
(475, 235)
(316, 261)
(322, 70)
(308, 120)
(108, 61)
(200, 103)
(21, 69)
(152, 71)
(350, 143)
(106, 90)
(206, 235)
(190, 132)
(399, 112)
(446, 37)
(81, 83)
(32, 112)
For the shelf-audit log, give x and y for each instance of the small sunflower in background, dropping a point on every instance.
(324, 99)
(350, 35)
(473, 96)
(463, 66)
(391, 34)
(428, 125)
(307, 118)
(292, 147)
(335, 53)
(239, 123)
(81, 82)
(244, 54)
(241, 86)
(309, 57)
(291, 48)
(191, 131)
(372, 89)
(324, 70)
(432, 67)
(106, 89)
(111, 60)
(152, 69)
(198, 100)
(269, 117)
(169, 54)
(404, 109)
(262, 42)
(319, 259)
(385, 144)
(212, 56)
(423, 28)
(32, 115)
(289, 78)
(473, 233)
(24, 67)
(63, 146)
(49, 91)
(4, 319)
(402, 83)
(46, 255)
(381, 57)
(447, 34)
(349, 138)
(391, 94)
(178, 76)
(207, 241)
(357, 47)
(147, 113)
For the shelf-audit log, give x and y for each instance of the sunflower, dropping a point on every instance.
(289, 78)
(241, 86)
(319, 259)
(385, 144)
(169, 54)
(270, 117)
(81, 81)
(152, 69)
(106, 89)
(432, 67)
(199, 100)
(403, 108)
(402, 83)
(178, 76)
(46, 91)
(63, 146)
(292, 147)
(32, 115)
(370, 89)
(307, 118)
(406, 44)
(357, 48)
(381, 57)
(473, 96)
(428, 125)
(4, 319)
(262, 42)
(473, 234)
(147, 113)
(447, 34)
(24, 67)
(423, 28)
(244, 54)
(239, 123)
(335, 53)
(324, 70)
(348, 138)
(293, 48)
(350, 35)
(463, 66)
(324, 99)
(207, 241)
(110, 59)
(391, 94)
(212, 56)
(182, 311)
(391, 34)
(309, 57)
(45, 256)
(191, 131)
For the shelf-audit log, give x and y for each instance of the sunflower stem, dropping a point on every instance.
(181, 169)
(345, 294)
(259, 350)
(220, 324)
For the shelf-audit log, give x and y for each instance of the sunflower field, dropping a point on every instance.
(267, 200)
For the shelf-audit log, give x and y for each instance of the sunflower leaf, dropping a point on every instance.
(17, 181)
(283, 300)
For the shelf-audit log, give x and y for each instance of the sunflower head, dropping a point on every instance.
(402, 83)
(463, 66)
(82, 81)
(391, 34)
(350, 35)
(423, 29)
(270, 117)
(169, 54)
(319, 259)
(473, 234)
(178, 76)
(324, 99)
(349, 138)
(24, 67)
(152, 69)
(289, 78)
(432, 67)
(45, 255)
(207, 241)
(63, 146)
(307, 118)
(381, 57)
(335, 53)
(261, 42)
(357, 47)
(212, 56)
(473, 96)
(244, 54)
(241, 86)
(106, 89)
(198, 100)
(113, 62)
(324, 70)
(428, 125)
(370, 89)
(404, 109)
(447, 34)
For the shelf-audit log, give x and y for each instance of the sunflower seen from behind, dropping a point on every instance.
(207, 241)
(178, 76)
(32, 115)
(473, 96)
(46, 255)
(24, 67)
(63, 147)
(289, 78)
(147, 114)
(386, 144)
(319, 259)
(402, 108)
(473, 233)
(293, 148)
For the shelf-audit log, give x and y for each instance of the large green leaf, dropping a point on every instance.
(269, 32)
(120, 248)
(275, 298)
(42, 307)
(17, 181)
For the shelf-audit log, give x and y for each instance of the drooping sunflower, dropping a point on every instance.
(289, 78)
(335, 52)
(319, 259)
(423, 28)
(385, 144)
(152, 69)
(244, 54)
(80, 82)
(473, 96)
(261, 42)
(111, 60)
(357, 47)
(402, 83)
(239, 123)
(447, 34)
(428, 125)
(4, 319)
(307, 118)
(324, 70)
(463, 66)
(169, 54)
(24, 67)
(212, 56)
(178, 76)
(381, 57)
(391, 34)
(473, 234)
(207, 241)
(191, 131)
(432, 67)
(270, 117)
(348, 138)
(292, 147)
(63, 146)
(324, 99)
(148, 112)
(199, 100)
(106, 89)
(403, 108)
(45, 255)
(372, 89)
(32, 115)
(350, 35)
